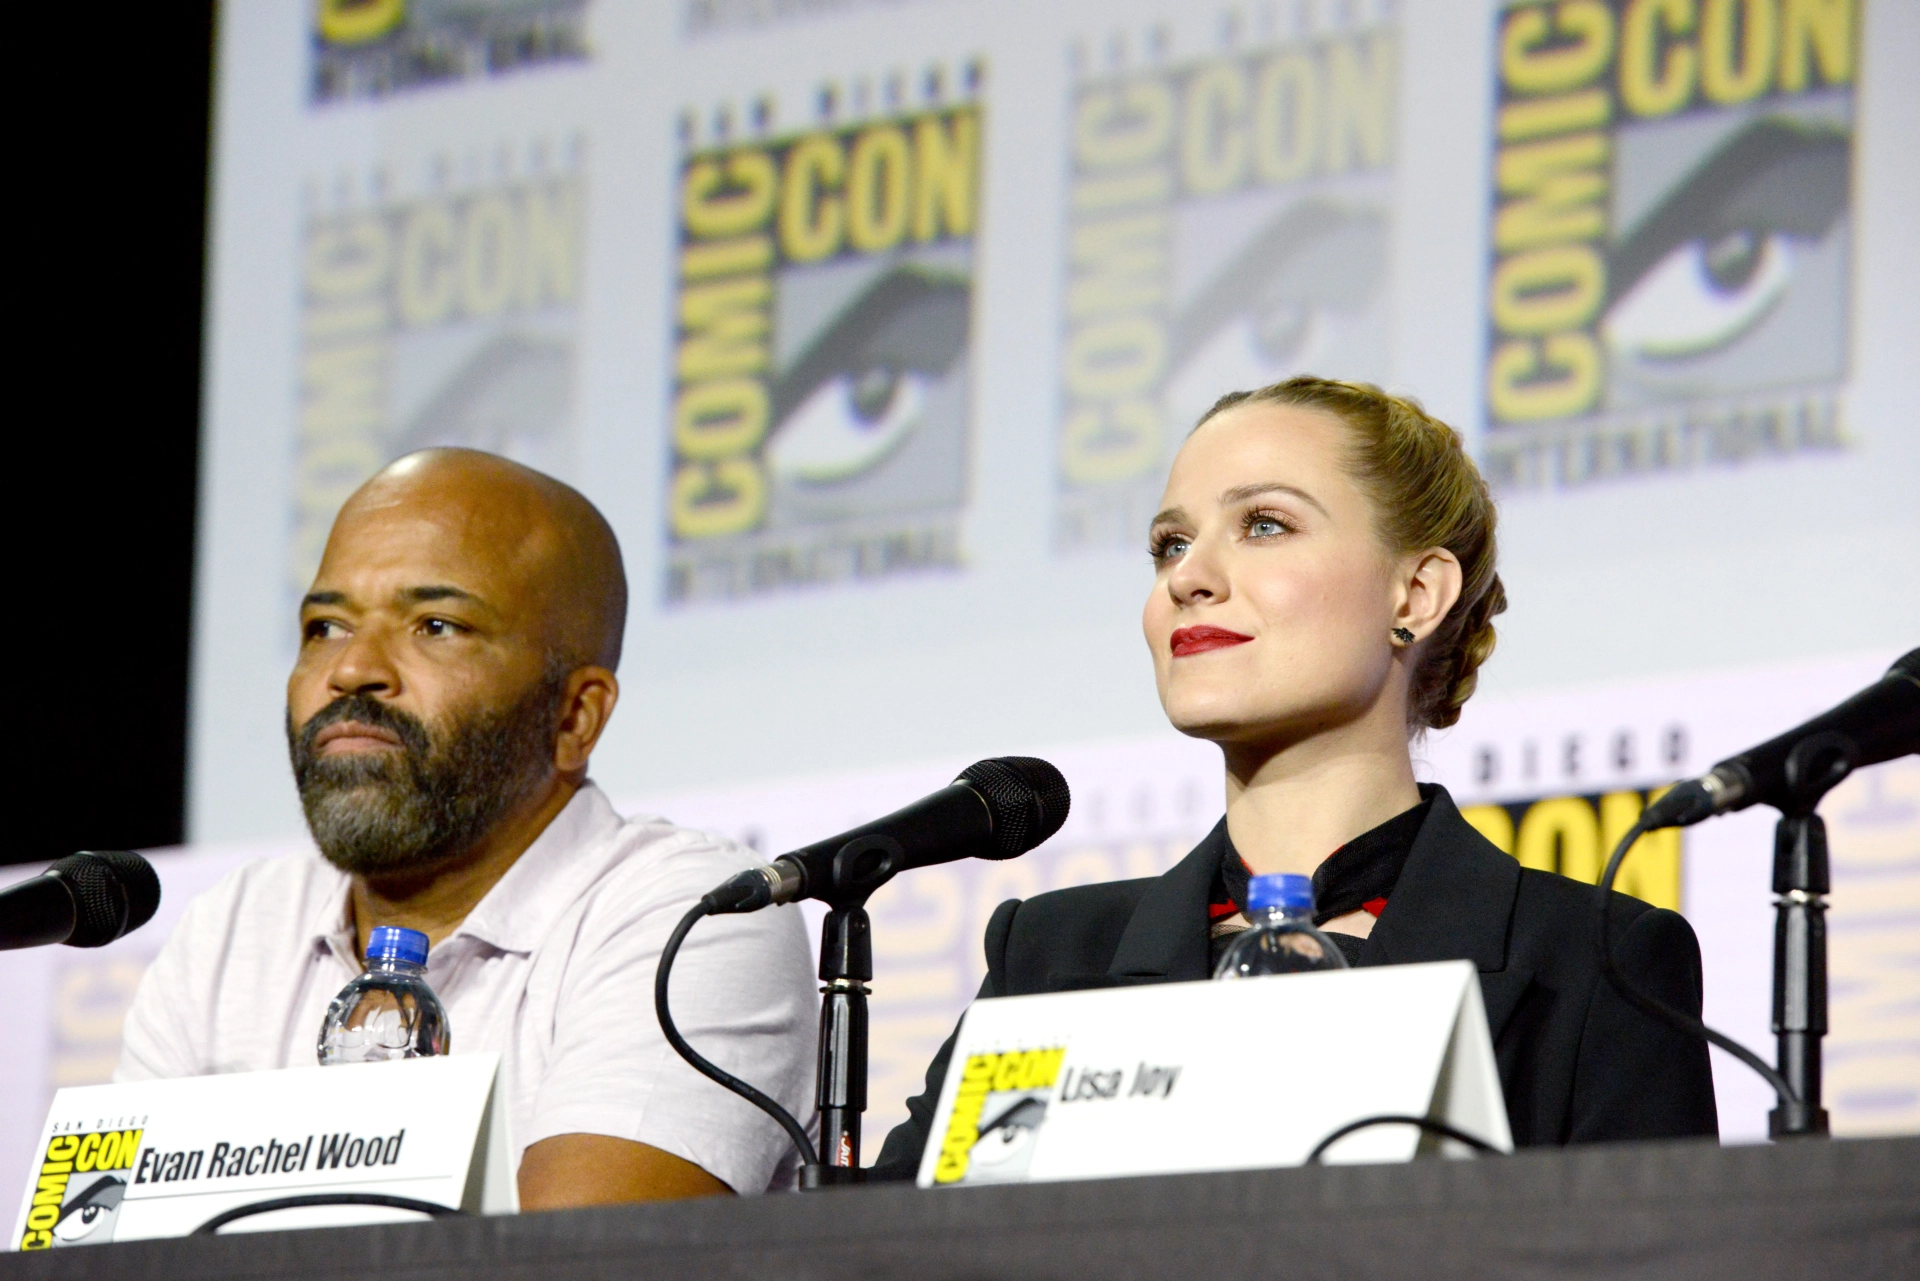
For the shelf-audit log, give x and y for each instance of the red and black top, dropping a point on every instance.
(1360, 875)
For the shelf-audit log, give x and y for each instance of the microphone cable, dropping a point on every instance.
(713, 1071)
(1659, 1009)
(1425, 1123)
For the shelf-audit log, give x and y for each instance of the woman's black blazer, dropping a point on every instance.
(1578, 1063)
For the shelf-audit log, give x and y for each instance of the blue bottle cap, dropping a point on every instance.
(1280, 889)
(392, 943)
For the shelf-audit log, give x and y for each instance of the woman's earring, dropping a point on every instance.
(1403, 636)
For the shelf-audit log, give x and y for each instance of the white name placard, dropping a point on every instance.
(1214, 1076)
(160, 1158)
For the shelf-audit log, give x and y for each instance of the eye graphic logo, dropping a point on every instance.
(865, 385)
(91, 1213)
(821, 399)
(1226, 228)
(1670, 240)
(1733, 247)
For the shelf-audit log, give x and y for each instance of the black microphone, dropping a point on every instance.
(84, 900)
(996, 809)
(1792, 772)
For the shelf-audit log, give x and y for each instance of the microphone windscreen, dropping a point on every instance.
(1027, 798)
(114, 893)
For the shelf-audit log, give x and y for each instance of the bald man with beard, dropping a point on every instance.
(456, 667)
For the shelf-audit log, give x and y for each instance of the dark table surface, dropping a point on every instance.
(1847, 1208)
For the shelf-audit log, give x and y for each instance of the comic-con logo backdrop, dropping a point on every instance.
(820, 417)
(371, 48)
(441, 317)
(1226, 227)
(1669, 257)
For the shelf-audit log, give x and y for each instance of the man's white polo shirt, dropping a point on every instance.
(554, 969)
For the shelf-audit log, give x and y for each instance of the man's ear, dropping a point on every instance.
(586, 704)
(1430, 583)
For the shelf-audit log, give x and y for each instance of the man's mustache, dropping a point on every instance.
(365, 710)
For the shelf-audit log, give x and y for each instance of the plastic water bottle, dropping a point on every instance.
(389, 1012)
(1282, 939)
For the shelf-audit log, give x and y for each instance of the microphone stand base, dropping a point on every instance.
(813, 1178)
(1797, 1121)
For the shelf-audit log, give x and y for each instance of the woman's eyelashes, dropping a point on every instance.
(1259, 525)
(1167, 545)
(1262, 524)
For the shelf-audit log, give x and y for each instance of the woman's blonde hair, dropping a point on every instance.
(1426, 492)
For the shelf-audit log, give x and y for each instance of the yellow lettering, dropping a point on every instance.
(725, 257)
(1561, 184)
(1824, 28)
(1492, 822)
(551, 261)
(1103, 443)
(1213, 143)
(721, 418)
(346, 259)
(1529, 379)
(712, 499)
(1549, 289)
(946, 160)
(726, 327)
(1113, 358)
(727, 198)
(1651, 871)
(1656, 78)
(1561, 834)
(878, 177)
(359, 21)
(1585, 31)
(1737, 43)
(812, 221)
(1123, 126)
(1359, 104)
(1119, 264)
(489, 249)
(1286, 119)
(1546, 117)
(428, 281)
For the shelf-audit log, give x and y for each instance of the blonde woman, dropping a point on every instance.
(1324, 591)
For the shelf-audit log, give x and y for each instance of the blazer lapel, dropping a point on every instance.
(1166, 938)
(1454, 901)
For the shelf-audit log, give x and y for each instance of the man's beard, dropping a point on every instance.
(438, 796)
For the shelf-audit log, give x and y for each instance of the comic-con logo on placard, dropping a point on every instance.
(440, 317)
(1669, 257)
(77, 1191)
(820, 408)
(370, 48)
(997, 1114)
(1227, 226)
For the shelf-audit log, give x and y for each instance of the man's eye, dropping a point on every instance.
(322, 629)
(441, 627)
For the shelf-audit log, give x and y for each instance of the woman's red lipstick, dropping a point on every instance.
(1198, 640)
